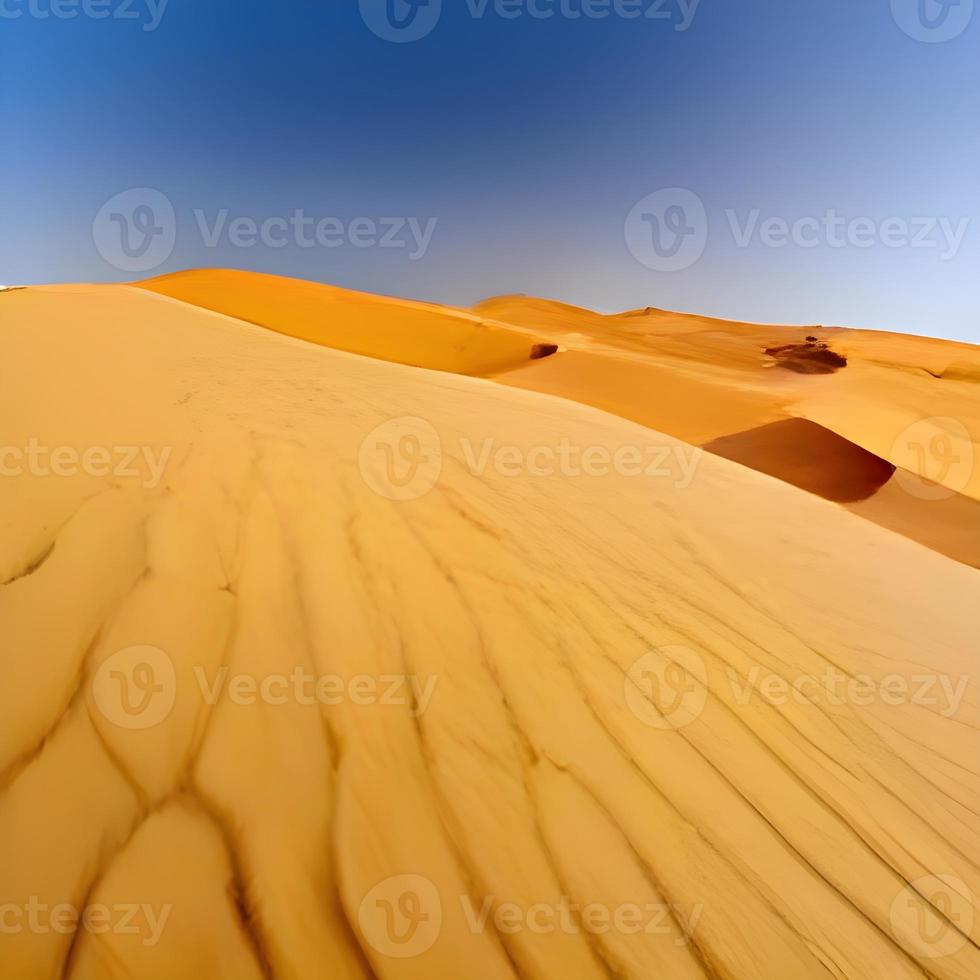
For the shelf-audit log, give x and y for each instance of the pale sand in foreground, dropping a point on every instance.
(783, 837)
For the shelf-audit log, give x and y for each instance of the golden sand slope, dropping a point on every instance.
(912, 402)
(597, 660)
(421, 334)
(903, 403)
(873, 402)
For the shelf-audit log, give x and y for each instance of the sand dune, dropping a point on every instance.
(421, 334)
(908, 402)
(890, 382)
(890, 400)
(570, 715)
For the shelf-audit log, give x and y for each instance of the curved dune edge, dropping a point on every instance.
(903, 402)
(418, 334)
(807, 456)
(702, 380)
(795, 837)
(896, 394)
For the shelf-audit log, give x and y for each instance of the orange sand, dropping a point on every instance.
(609, 726)
(901, 401)
(421, 334)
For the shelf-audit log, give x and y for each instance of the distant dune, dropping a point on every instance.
(587, 702)
(871, 400)
(420, 334)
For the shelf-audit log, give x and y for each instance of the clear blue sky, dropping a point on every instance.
(527, 139)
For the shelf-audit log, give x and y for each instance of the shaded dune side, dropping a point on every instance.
(808, 456)
(813, 357)
(417, 334)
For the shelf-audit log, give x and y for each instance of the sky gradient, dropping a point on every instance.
(815, 162)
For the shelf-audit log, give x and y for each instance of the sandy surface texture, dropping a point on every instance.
(832, 411)
(318, 664)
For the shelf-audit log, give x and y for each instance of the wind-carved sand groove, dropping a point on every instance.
(780, 840)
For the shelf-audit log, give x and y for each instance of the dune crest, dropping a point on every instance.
(406, 332)
(709, 382)
(904, 401)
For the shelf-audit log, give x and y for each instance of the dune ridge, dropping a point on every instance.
(415, 333)
(864, 401)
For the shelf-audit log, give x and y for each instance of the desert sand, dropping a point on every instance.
(585, 700)
(894, 435)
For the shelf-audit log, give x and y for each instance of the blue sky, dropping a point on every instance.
(783, 161)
